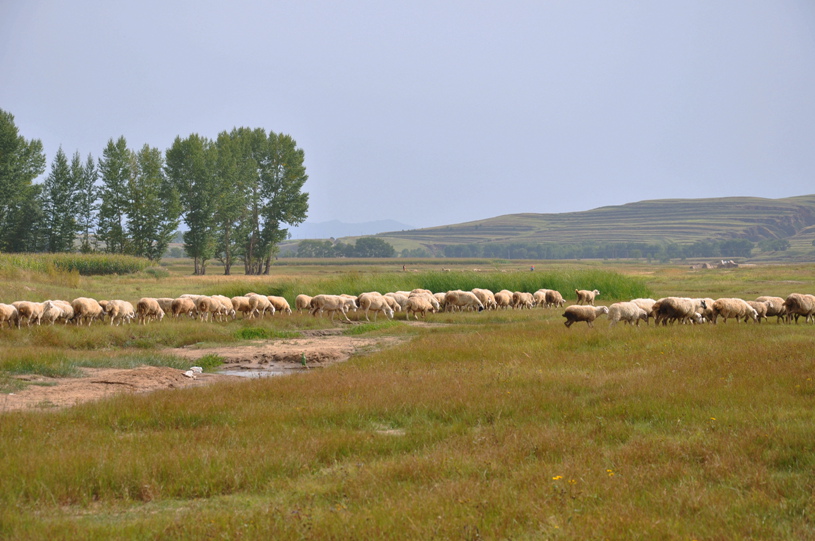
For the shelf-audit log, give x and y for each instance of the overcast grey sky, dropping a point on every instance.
(432, 113)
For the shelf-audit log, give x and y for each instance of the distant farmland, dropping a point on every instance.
(680, 221)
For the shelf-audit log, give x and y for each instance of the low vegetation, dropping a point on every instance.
(488, 425)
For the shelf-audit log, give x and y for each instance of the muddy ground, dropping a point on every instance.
(320, 348)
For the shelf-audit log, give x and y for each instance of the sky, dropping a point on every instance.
(434, 113)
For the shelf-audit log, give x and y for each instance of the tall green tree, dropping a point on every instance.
(275, 197)
(60, 195)
(235, 171)
(191, 165)
(116, 167)
(87, 205)
(21, 161)
(154, 209)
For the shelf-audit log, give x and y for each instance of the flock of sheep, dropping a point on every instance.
(84, 310)
(690, 310)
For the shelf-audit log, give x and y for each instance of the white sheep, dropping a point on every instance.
(302, 302)
(760, 307)
(732, 307)
(8, 314)
(775, 307)
(627, 312)
(86, 309)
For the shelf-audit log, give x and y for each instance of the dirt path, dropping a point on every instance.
(320, 348)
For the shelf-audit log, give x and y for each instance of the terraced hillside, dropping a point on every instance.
(681, 221)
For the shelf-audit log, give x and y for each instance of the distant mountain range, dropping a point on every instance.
(681, 221)
(336, 229)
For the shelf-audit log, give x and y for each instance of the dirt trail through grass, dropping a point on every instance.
(320, 348)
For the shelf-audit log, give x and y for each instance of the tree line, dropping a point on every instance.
(363, 247)
(236, 194)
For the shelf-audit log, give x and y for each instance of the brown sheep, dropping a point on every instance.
(573, 314)
(584, 296)
(183, 305)
(148, 309)
(281, 305)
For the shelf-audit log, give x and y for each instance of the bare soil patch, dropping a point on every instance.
(319, 348)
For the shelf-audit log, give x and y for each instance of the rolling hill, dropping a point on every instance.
(680, 221)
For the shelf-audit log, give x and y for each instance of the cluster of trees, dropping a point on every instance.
(235, 194)
(364, 247)
(605, 250)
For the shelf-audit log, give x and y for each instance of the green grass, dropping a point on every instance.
(490, 425)
(83, 264)
(683, 221)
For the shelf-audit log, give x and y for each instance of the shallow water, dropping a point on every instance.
(253, 373)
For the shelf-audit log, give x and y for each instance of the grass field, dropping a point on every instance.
(491, 425)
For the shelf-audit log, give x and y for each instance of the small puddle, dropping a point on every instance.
(254, 373)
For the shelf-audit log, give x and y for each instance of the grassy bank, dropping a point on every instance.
(494, 425)
(551, 433)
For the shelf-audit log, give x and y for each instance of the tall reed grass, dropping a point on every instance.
(83, 264)
(612, 285)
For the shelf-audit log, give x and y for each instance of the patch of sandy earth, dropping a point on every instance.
(320, 348)
(50, 393)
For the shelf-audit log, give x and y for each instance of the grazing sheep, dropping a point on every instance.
(486, 297)
(462, 300)
(166, 304)
(628, 312)
(147, 309)
(302, 302)
(240, 303)
(30, 311)
(761, 310)
(332, 304)
(681, 309)
(280, 304)
(209, 308)
(540, 298)
(50, 312)
(775, 307)
(67, 311)
(9, 314)
(417, 304)
(503, 299)
(227, 308)
(441, 300)
(554, 298)
(182, 306)
(393, 304)
(401, 300)
(260, 305)
(731, 307)
(86, 309)
(798, 304)
(573, 314)
(522, 299)
(120, 311)
(374, 301)
(647, 305)
(584, 296)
